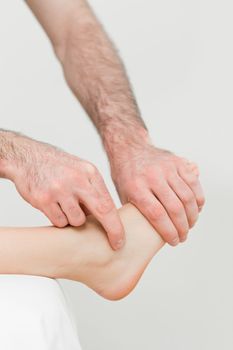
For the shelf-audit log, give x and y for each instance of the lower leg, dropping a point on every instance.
(82, 254)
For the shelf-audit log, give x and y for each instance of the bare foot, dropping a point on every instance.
(114, 274)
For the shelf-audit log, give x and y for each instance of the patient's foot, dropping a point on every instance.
(113, 274)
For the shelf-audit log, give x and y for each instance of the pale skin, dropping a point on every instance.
(83, 253)
(163, 186)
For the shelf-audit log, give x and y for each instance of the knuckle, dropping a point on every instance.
(192, 180)
(155, 213)
(71, 175)
(105, 206)
(56, 187)
(183, 160)
(60, 217)
(151, 173)
(72, 208)
(44, 198)
(136, 197)
(90, 168)
(176, 209)
(187, 198)
(154, 175)
(60, 221)
(135, 187)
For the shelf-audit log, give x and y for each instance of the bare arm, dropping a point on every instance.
(163, 186)
(93, 70)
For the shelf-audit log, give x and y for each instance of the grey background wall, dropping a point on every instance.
(179, 57)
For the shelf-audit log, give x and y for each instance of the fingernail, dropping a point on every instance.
(183, 239)
(175, 241)
(119, 244)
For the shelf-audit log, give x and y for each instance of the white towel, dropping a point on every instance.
(34, 315)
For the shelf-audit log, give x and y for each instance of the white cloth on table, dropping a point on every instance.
(34, 315)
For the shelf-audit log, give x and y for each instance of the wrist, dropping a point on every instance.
(121, 142)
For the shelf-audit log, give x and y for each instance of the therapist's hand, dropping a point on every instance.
(64, 187)
(162, 185)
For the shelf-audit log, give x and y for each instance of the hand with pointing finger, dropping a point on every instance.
(64, 187)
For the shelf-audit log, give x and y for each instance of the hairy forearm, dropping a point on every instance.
(18, 150)
(94, 71)
(9, 150)
(97, 76)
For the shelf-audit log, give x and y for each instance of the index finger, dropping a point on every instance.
(101, 205)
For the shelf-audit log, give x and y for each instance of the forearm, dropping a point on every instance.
(93, 70)
(10, 151)
(18, 150)
(96, 73)
(97, 76)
